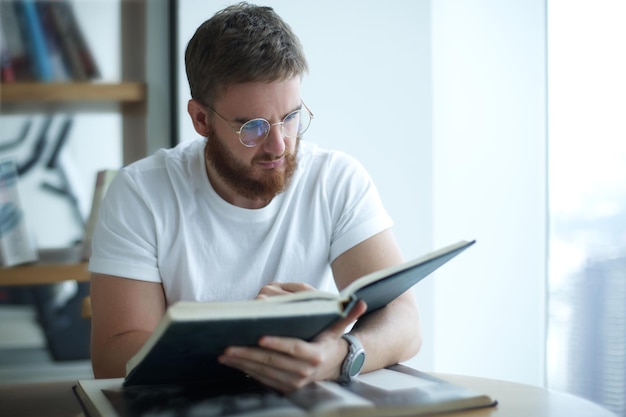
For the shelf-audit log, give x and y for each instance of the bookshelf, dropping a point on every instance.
(63, 93)
(44, 273)
(129, 96)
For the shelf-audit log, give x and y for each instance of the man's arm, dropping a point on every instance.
(287, 364)
(385, 335)
(124, 314)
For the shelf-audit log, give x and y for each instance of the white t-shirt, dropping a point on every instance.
(162, 221)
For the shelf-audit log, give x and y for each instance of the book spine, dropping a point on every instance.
(36, 40)
(77, 40)
(59, 68)
(67, 43)
(16, 40)
(16, 245)
(7, 72)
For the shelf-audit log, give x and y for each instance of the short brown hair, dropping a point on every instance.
(241, 43)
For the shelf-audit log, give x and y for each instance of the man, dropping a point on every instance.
(249, 211)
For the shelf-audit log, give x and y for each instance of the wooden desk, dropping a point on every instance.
(520, 400)
(514, 400)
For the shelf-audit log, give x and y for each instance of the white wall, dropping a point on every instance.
(489, 182)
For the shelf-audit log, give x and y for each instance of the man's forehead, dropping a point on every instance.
(256, 97)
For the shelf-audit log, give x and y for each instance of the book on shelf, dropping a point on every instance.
(7, 72)
(16, 242)
(16, 57)
(60, 70)
(35, 40)
(391, 392)
(74, 48)
(103, 180)
(186, 343)
(45, 42)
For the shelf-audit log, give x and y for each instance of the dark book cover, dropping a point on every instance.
(15, 60)
(381, 292)
(187, 352)
(73, 46)
(34, 39)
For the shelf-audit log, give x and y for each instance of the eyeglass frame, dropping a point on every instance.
(281, 123)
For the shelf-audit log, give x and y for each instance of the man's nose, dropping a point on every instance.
(275, 141)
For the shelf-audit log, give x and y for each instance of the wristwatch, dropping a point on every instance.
(353, 363)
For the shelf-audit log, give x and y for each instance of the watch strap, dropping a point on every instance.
(354, 360)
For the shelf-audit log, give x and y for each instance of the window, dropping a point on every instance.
(586, 353)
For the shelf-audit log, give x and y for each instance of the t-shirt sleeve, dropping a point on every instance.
(124, 240)
(355, 205)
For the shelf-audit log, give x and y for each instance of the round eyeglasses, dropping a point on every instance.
(253, 132)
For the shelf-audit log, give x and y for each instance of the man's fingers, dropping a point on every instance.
(357, 311)
(273, 368)
(294, 286)
(278, 288)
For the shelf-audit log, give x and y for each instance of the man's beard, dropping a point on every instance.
(239, 177)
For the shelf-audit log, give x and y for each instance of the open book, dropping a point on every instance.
(391, 392)
(186, 343)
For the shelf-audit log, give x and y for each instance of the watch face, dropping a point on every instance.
(357, 364)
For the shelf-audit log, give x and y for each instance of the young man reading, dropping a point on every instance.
(249, 210)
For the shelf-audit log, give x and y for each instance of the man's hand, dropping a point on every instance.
(280, 288)
(287, 364)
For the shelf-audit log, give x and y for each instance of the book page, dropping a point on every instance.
(393, 381)
(91, 395)
(325, 396)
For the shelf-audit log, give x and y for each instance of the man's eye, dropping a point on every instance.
(293, 116)
(257, 126)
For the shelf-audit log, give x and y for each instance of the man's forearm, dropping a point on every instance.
(109, 358)
(385, 335)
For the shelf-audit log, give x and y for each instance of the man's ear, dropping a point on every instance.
(199, 117)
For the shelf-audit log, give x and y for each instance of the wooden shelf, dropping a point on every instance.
(40, 273)
(125, 92)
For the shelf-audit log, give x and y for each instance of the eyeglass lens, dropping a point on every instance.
(294, 124)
